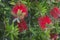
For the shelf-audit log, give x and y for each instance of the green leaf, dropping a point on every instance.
(2, 4)
(24, 2)
(0, 0)
(12, 3)
(7, 8)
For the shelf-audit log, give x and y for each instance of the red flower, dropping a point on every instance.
(21, 7)
(43, 21)
(55, 12)
(22, 25)
(53, 36)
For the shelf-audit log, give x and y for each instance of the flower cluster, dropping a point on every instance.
(43, 21)
(22, 25)
(53, 36)
(22, 7)
(55, 12)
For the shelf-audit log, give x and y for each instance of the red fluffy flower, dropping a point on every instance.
(21, 7)
(55, 12)
(43, 21)
(53, 36)
(22, 25)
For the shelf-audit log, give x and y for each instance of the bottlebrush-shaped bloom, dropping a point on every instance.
(55, 12)
(20, 7)
(53, 36)
(42, 21)
(22, 25)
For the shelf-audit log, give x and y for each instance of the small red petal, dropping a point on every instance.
(14, 9)
(47, 19)
(54, 14)
(41, 23)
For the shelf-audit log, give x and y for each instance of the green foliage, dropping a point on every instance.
(42, 8)
(11, 30)
(35, 9)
